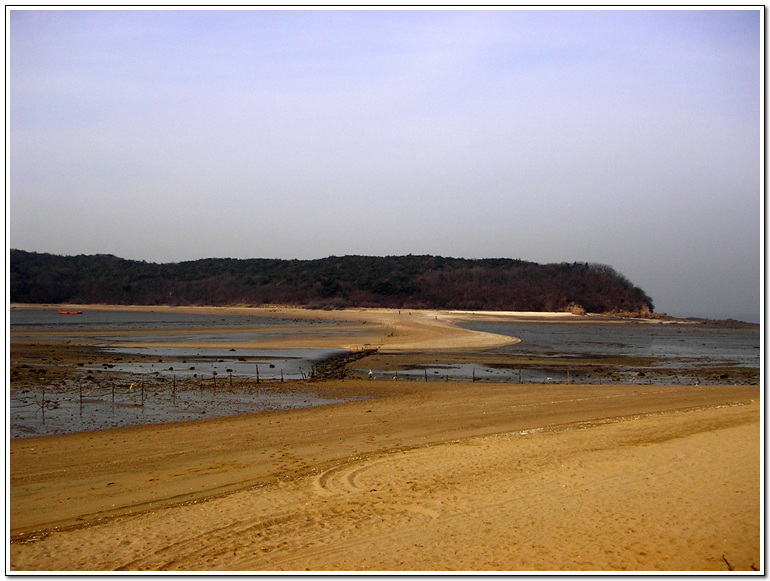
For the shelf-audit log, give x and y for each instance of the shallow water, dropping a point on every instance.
(69, 408)
(666, 341)
(670, 342)
(179, 383)
(186, 328)
(216, 382)
(677, 353)
(194, 362)
(99, 319)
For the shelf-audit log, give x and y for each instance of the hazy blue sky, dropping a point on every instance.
(630, 138)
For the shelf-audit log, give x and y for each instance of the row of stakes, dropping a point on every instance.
(214, 380)
(474, 378)
(141, 387)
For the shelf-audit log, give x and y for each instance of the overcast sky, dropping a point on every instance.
(630, 138)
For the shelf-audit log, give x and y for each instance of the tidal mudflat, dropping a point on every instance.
(112, 367)
(396, 475)
(629, 352)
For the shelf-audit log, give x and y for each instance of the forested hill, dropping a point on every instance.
(335, 282)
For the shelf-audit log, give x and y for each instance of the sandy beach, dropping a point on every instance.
(385, 329)
(440, 476)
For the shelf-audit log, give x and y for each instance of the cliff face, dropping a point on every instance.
(335, 282)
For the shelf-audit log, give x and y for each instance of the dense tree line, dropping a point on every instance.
(334, 282)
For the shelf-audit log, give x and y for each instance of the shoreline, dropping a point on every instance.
(82, 361)
(387, 329)
(442, 476)
(451, 314)
(92, 487)
(396, 330)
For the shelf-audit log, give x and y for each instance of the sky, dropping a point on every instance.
(625, 137)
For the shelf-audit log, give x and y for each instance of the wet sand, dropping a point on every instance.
(385, 329)
(423, 476)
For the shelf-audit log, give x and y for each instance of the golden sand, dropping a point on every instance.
(422, 477)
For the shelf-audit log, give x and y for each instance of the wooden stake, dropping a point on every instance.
(257, 365)
(729, 565)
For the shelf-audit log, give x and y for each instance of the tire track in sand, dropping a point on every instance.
(547, 486)
(631, 493)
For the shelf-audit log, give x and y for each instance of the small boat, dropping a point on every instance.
(70, 312)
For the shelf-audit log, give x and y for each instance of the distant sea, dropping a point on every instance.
(746, 318)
